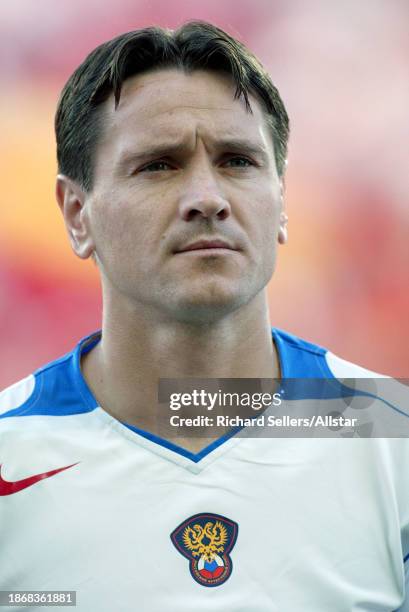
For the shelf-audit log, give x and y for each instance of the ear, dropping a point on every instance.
(282, 229)
(71, 200)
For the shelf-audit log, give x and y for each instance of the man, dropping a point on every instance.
(171, 152)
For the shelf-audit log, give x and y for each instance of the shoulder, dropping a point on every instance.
(300, 358)
(17, 395)
(341, 368)
(56, 389)
(40, 393)
(377, 405)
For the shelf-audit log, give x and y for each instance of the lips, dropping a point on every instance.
(205, 244)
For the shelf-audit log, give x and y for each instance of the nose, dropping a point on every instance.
(202, 198)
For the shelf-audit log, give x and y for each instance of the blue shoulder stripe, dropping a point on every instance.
(299, 358)
(60, 389)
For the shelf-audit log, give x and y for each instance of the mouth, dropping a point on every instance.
(203, 247)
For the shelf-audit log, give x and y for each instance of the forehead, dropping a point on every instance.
(171, 103)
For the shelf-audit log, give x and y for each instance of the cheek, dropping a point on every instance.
(114, 228)
(266, 219)
(113, 235)
(112, 216)
(267, 228)
(125, 230)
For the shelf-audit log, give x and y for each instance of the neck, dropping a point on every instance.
(123, 370)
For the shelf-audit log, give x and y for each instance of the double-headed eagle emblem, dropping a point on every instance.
(206, 540)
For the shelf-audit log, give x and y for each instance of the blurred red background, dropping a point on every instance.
(341, 68)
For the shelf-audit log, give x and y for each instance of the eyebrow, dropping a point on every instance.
(238, 145)
(231, 145)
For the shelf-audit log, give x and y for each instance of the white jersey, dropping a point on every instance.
(133, 523)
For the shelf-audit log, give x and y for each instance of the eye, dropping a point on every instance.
(238, 162)
(157, 166)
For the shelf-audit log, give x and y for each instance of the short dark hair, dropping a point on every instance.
(194, 46)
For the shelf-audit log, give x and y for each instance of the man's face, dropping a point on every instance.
(185, 209)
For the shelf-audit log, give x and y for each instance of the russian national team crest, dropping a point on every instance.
(206, 540)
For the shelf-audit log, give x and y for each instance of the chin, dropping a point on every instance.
(206, 307)
(203, 314)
